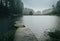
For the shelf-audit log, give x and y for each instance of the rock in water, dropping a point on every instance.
(24, 34)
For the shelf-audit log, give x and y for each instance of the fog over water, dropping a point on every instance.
(39, 24)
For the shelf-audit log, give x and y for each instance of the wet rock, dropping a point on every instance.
(24, 34)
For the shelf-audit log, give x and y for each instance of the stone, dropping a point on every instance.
(24, 34)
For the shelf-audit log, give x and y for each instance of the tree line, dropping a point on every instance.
(10, 7)
(56, 9)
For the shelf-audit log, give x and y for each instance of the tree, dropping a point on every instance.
(11, 7)
(58, 7)
(7, 18)
(19, 7)
(54, 12)
(30, 13)
(54, 36)
(3, 9)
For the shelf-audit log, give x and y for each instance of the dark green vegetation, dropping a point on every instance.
(30, 13)
(55, 36)
(56, 9)
(10, 11)
(11, 7)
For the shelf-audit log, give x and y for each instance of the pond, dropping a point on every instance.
(40, 24)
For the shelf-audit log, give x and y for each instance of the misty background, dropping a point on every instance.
(39, 4)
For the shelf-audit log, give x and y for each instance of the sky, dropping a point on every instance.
(39, 4)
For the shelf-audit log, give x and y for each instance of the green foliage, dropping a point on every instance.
(11, 7)
(9, 36)
(58, 6)
(54, 36)
(30, 13)
(56, 9)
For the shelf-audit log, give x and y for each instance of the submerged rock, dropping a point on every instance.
(24, 34)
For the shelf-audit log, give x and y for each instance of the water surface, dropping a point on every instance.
(39, 24)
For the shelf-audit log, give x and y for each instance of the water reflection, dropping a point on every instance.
(39, 24)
